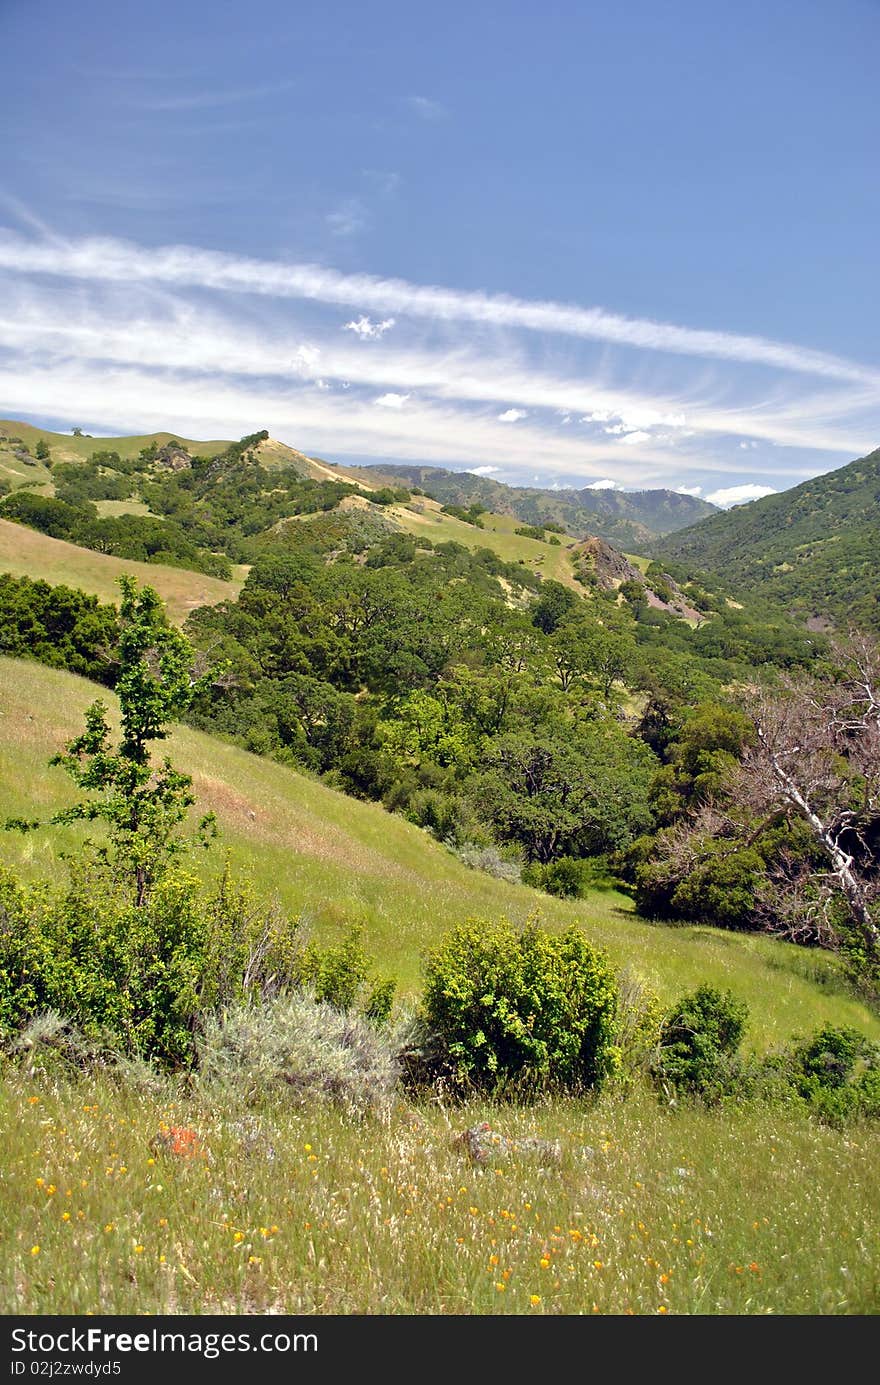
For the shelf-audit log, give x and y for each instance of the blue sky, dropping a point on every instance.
(570, 243)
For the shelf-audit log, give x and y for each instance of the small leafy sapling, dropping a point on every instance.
(142, 804)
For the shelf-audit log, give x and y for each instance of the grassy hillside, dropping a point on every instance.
(815, 547)
(337, 861)
(64, 447)
(626, 518)
(424, 517)
(26, 553)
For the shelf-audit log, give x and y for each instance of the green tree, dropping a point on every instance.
(142, 805)
(557, 795)
(554, 603)
(41, 451)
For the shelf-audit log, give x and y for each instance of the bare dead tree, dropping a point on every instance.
(817, 756)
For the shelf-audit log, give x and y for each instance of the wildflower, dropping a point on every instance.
(493, 1259)
(598, 1265)
(500, 1287)
(534, 1300)
(138, 1250)
(664, 1279)
(545, 1262)
(255, 1260)
(35, 1250)
(177, 1139)
(161, 1259)
(32, 1101)
(65, 1216)
(662, 1308)
(109, 1226)
(40, 1182)
(239, 1236)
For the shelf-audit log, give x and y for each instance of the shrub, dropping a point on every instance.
(698, 1042)
(562, 877)
(721, 888)
(836, 1071)
(123, 975)
(340, 976)
(302, 1048)
(502, 865)
(528, 1008)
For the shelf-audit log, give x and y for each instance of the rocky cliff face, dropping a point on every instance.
(609, 568)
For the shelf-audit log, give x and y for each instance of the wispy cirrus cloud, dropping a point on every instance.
(426, 108)
(263, 342)
(206, 99)
(349, 218)
(117, 260)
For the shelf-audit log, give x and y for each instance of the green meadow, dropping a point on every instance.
(336, 862)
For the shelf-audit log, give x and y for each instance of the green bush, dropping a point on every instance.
(836, 1071)
(698, 1042)
(124, 975)
(563, 877)
(300, 1048)
(340, 976)
(527, 1009)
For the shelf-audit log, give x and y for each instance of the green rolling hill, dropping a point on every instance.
(629, 519)
(815, 548)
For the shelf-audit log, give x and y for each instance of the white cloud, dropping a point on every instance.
(118, 260)
(738, 495)
(483, 470)
(366, 329)
(426, 108)
(747, 446)
(348, 219)
(606, 485)
(688, 490)
(443, 386)
(132, 326)
(305, 358)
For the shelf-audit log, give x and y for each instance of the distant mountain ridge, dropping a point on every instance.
(816, 547)
(630, 519)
